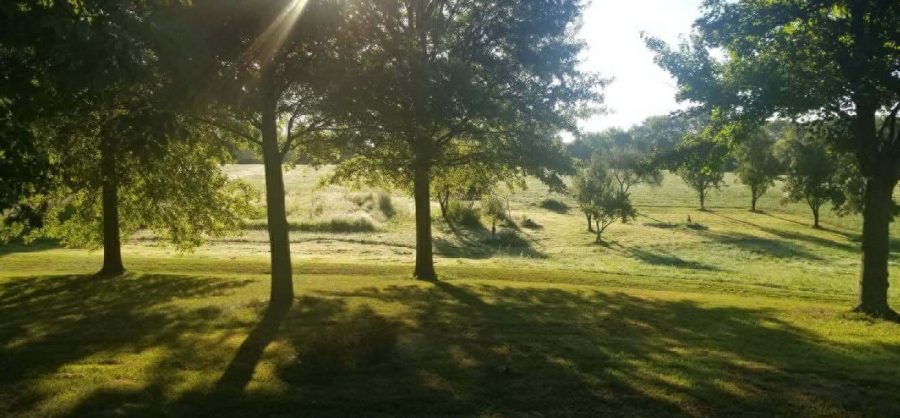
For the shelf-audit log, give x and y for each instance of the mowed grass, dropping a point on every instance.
(733, 314)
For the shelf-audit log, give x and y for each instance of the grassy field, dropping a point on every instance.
(732, 314)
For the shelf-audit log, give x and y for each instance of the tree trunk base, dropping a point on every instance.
(426, 276)
(878, 312)
(109, 272)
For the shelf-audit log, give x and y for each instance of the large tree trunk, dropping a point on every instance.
(873, 283)
(879, 167)
(589, 222)
(112, 243)
(702, 194)
(282, 291)
(422, 195)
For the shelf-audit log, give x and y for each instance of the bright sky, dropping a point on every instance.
(612, 29)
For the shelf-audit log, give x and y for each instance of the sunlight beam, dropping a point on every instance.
(267, 44)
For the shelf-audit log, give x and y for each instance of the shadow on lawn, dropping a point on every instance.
(475, 242)
(662, 258)
(456, 350)
(20, 247)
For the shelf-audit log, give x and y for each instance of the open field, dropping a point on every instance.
(733, 314)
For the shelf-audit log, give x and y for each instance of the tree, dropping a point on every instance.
(757, 166)
(700, 162)
(599, 196)
(471, 181)
(630, 160)
(440, 84)
(811, 171)
(274, 64)
(111, 124)
(826, 60)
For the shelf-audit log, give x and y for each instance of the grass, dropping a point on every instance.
(734, 314)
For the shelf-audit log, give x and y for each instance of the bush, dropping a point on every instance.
(386, 205)
(338, 225)
(365, 201)
(464, 213)
(530, 224)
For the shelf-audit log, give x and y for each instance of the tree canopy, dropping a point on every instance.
(439, 84)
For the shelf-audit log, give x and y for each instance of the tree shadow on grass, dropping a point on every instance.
(777, 248)
(798, 236)
(20, 247)
(447, 349)
(420, 349)
(662, 258)
(51, 323)
(475, 242)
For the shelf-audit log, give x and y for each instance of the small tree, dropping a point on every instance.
(757, 166)
(600, 198)
(472, 181)
(813, 172)
(701, 164)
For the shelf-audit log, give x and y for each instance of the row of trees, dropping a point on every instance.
(814, 172)
(116, 114)
(811, 61)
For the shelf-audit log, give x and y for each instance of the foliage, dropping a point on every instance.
(809, 60)
(757, 165)
(812, 168)
(630, 159)
(701, 164)
(111, 109)
(436, 85)
(181, 195)
(464, 213)
(493, 207)
(599, 196)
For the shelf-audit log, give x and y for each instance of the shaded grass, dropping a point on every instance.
(198, 346)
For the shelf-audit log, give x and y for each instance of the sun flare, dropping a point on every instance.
(267, 44)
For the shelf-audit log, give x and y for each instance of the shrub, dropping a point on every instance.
(364, 201)
(386, 205)
(464, 213)
(343, 224)
(529, 223)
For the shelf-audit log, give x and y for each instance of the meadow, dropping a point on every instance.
(680, 312)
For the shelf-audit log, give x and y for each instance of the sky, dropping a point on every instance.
(612, 30)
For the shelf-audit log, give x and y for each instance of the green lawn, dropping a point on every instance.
(735, 314)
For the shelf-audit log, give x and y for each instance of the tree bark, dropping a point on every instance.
(282, 290)
(873, 283)
(599, 234)
(421, 194)
(493, 229)
(590, 224)
(444, 202)
(702, 194)
(753, 197)
(112, 243)
(815, 211)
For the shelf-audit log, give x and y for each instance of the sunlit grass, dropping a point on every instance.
(736, 313)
